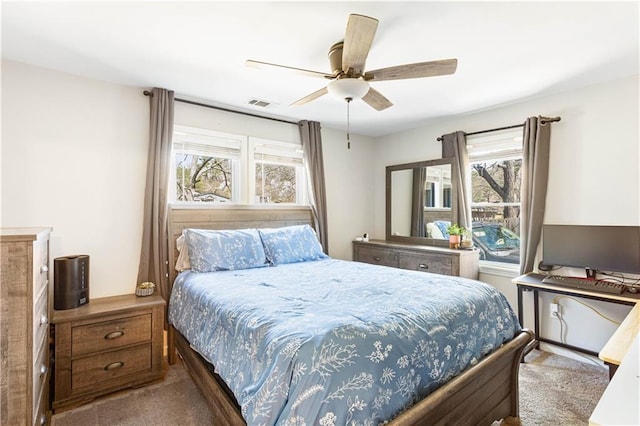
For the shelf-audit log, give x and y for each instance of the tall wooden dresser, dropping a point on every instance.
(25, 302)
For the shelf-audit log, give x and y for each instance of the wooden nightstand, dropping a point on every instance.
(109, 344)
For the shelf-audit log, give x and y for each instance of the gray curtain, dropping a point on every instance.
(455, 145)
(417, 202)
(535, 171)
(154, 252)
(312, 147)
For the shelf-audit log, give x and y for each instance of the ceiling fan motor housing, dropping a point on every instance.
(335, 58)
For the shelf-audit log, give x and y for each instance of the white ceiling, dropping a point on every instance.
(506, 51)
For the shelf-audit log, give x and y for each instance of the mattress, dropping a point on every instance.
(334, 342)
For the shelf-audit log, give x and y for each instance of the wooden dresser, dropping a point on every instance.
(438, 260)
(25, 300)
(109, 344)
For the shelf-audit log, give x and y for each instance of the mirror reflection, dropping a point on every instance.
(419, 195)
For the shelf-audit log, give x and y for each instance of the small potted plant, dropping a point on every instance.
(455, 235)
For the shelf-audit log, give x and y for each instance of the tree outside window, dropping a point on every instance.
(496, 164)
(201, 178)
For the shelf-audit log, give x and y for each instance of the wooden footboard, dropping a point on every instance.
(482, 394)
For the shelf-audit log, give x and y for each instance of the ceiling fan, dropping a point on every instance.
(347, 58)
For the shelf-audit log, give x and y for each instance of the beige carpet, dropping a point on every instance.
(554, 390)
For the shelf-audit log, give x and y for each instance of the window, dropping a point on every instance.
(217, 167)
(438, 187)
(495, 166)
(278, 172)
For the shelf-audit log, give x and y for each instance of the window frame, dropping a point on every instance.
(243, 164)
(492, 147)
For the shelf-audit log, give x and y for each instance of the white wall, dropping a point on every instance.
(594, 178)
(350, 189)
(74, 158)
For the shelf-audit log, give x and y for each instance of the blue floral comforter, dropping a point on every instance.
(334, 342)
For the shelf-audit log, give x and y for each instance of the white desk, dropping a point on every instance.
(620, 404)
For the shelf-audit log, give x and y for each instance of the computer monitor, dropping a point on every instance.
(602, 248)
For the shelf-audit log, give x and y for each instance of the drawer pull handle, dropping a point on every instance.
(114, 335)
(44, 268)
(43, 419)
(114, 365)
(423, 266)
(377, 258)
(43, 370)
(44, 320)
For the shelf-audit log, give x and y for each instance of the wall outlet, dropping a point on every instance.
(554, 310)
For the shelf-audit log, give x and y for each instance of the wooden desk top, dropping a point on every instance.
(618, 345)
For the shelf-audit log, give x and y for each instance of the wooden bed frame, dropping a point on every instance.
(480, 395)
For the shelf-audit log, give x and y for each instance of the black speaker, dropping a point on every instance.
(71, 281)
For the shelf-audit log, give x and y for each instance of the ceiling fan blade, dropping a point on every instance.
(357, 42)
(417, 70)
(311, 97)
(376, 100)
(267, 65)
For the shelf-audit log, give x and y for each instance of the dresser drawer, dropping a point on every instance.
(41, 403)
(40, 370)
(40, 322)
(428, 262)
(377, 256)
(99, 369)
(110, 334)
(40, 267)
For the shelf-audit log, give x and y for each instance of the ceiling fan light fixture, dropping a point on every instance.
(344, 88)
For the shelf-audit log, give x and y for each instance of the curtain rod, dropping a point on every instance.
(515, 126)
(185, 101)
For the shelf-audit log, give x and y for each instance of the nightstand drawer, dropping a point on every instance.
(110, 334)
(435, 263)
(99, 369)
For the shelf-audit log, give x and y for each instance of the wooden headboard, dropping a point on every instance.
(229, 217)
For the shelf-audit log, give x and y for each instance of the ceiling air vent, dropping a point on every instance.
(259, 103)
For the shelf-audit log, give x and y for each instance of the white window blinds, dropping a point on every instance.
(495, 146)
(194, 141)
(276, 152)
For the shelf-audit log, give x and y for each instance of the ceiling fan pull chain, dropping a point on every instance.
(348, 140)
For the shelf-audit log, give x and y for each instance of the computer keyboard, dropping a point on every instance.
(585, 284)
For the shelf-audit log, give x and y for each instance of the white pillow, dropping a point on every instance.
(434, 232)
(182, 264)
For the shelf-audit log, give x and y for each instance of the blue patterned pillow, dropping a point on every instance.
(211, 251)
(443, 226)
(291, 244)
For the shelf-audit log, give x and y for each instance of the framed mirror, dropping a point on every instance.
(419, 196)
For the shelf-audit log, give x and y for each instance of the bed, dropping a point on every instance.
(319, 368)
